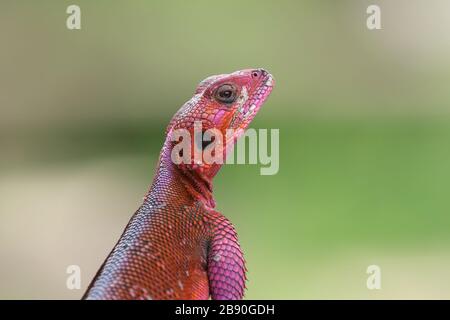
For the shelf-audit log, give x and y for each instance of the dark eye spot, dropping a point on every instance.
(226, 93)
(201, 143)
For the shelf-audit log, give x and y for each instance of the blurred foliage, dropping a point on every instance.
(364, 123)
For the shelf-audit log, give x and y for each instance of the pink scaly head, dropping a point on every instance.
(223, 105)
(176, 246)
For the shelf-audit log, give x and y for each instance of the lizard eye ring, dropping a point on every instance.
(226, 93)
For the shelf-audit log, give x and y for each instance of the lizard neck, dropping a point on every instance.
(174, 184)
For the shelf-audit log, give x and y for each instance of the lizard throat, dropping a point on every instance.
(169, 176)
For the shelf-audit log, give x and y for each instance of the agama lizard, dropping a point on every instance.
(176, 245)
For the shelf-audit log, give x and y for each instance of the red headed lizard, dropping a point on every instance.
(176, 246)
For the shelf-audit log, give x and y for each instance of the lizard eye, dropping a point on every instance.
(226, 93)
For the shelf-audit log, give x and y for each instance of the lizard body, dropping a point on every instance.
(176, 245)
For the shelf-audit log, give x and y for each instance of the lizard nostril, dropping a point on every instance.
(259, 73)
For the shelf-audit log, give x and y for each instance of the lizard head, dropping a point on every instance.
(219, 112)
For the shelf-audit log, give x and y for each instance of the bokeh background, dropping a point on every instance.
(364, 121)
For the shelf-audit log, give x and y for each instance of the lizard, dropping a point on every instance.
(176, 245)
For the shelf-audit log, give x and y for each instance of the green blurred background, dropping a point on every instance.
(364, 121)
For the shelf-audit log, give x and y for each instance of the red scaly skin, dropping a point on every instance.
(176, 246)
